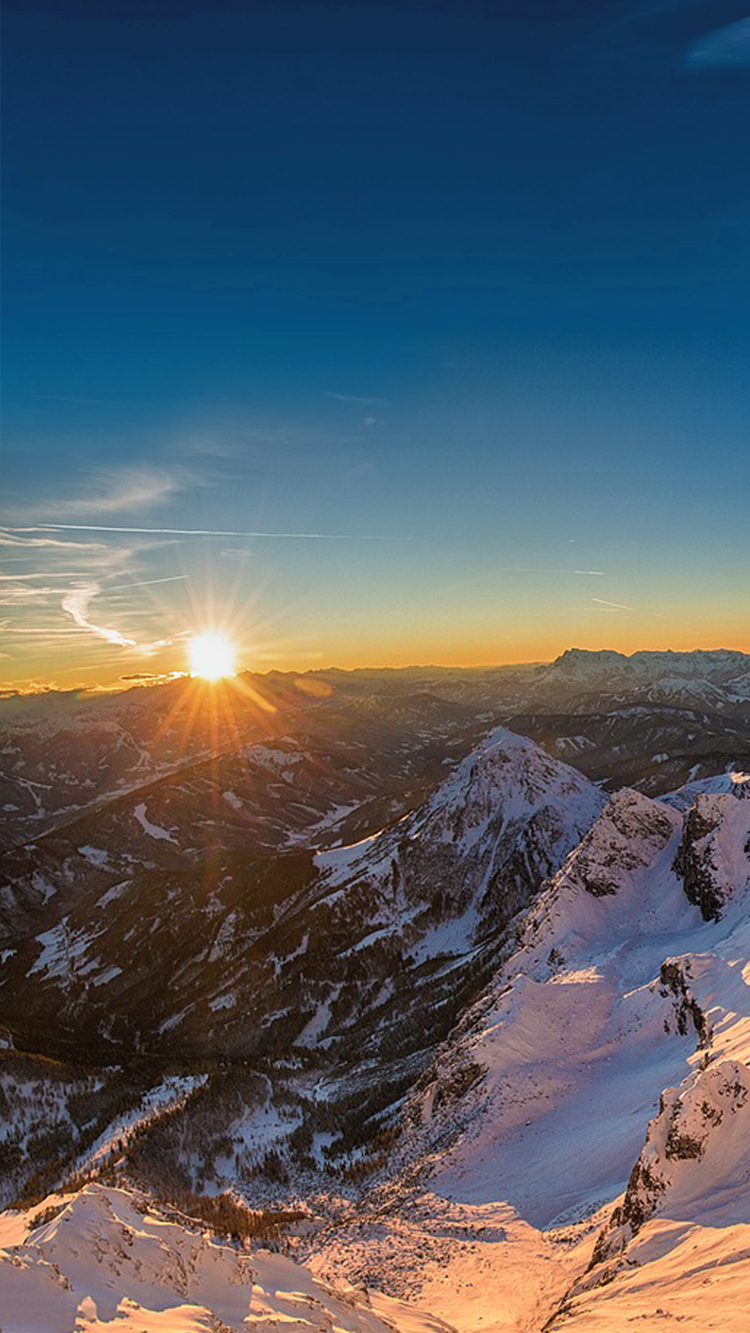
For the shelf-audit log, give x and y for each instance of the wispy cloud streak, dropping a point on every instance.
(22, 538)
(76, 605)
(728, 46)
(116, 491)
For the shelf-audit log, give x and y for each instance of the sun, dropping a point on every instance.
(211, 655)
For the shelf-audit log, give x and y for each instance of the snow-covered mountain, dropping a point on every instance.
(350, 962)
(669, 672)
(475, 1034)
(621, 1003)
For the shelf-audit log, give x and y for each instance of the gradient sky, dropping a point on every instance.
(461, 288)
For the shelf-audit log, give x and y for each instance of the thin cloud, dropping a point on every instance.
(24, 630)
(726, 47)
(357, 401)
(20, 594)
(57, 559)
(121, 491)
(38, 574)
(238, 553)
(155, 677)
(115, 491)
(76, 605)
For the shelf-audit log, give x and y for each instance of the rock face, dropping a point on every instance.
(611, 868)
(713, 860)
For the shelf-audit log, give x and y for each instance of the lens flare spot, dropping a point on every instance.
(211, 656)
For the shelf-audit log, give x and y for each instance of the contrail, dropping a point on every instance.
(208, 532)
(528, 569)
(612, 606)
(146, 583)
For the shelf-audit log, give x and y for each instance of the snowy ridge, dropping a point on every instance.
(508, 812)
(696, 1159)
(732, 783)
(717, 680)
(508, 775)
(631, 846)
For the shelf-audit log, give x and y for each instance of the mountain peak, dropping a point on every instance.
(576, 662)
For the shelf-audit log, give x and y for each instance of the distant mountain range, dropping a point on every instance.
(462, 1023)
(652, 720)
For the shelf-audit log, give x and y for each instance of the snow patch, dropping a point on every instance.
(153, 830)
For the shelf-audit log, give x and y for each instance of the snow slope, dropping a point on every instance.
(681, 1236)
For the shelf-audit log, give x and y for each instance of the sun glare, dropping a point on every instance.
(211, 656)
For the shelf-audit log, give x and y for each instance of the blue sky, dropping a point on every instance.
(461, 288)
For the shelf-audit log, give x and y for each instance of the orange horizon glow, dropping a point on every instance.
(430, 652)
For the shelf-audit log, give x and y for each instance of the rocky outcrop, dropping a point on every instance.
(739, 785)
(709, 1114)
(674, 980)
(628, 837)
(713, 860)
